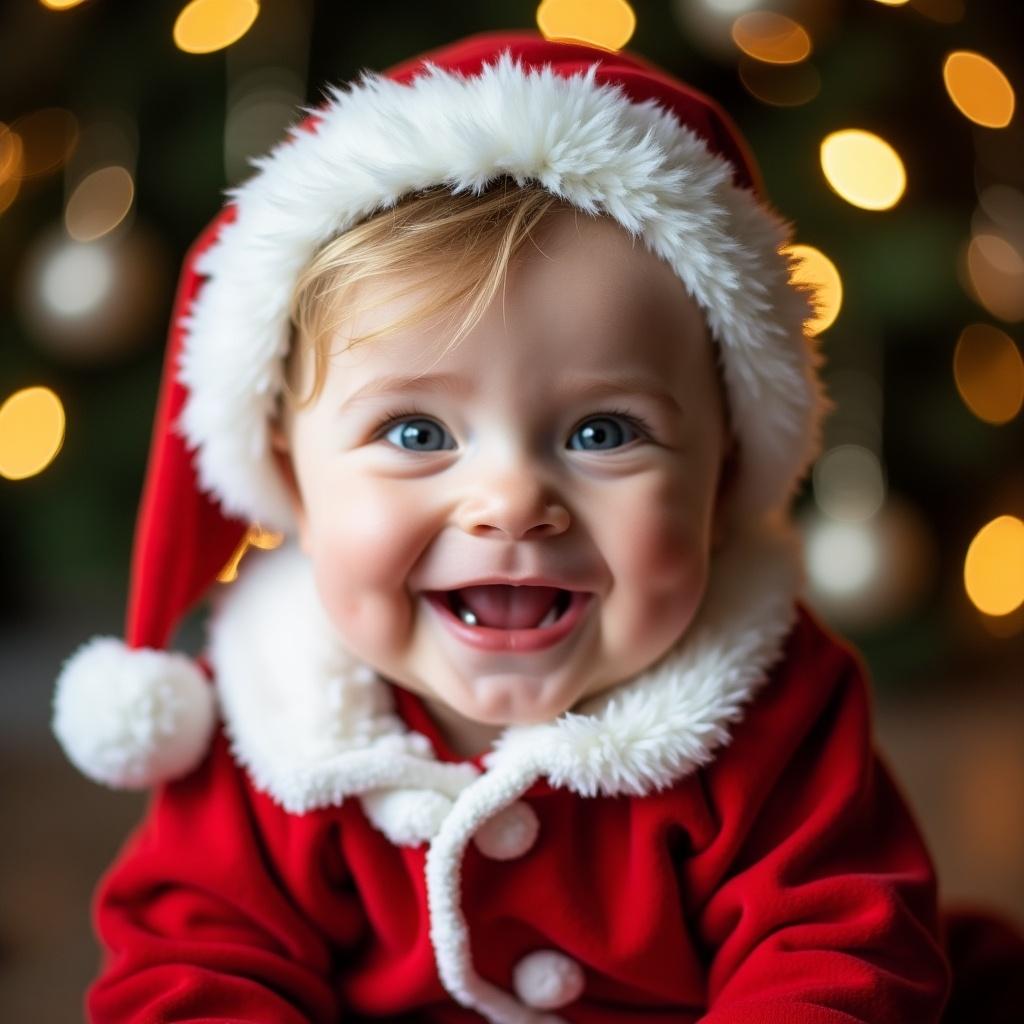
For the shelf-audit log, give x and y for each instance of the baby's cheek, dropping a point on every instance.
(361, 562)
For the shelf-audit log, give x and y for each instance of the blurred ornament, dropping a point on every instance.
(31, 432)
(989, 373)
(995, 273)
(780, 85)
(204, 26)
(261, 106)
(48, 137)
(994, 567)
(868, 573)
(91, 301)
(813, 269)
(771, 38)
(849, 484)
(978, 89)
(863, 169)
(606, 23)
(99, 204)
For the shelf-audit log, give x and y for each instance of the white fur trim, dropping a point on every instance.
(509, 834)
(378, 141)
(312, 725)
(132, 718)
(548, 979)
(407, 817)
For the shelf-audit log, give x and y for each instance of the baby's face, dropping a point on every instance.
(576, 437)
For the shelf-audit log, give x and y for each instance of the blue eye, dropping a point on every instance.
(418, 435)
(603, 433)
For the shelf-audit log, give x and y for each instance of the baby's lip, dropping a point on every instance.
(559, 583)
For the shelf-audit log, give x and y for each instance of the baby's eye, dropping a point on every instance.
(602, 433)
(419, 435)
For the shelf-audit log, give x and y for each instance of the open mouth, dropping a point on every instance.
(502, 606)
(507, 617)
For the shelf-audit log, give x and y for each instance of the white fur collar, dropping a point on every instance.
(312, 725)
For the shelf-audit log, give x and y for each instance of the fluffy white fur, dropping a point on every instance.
(132, 718)
(378, 141)
(313, 726)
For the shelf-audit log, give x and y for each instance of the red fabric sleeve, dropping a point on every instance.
(195, 927)
(826, 912)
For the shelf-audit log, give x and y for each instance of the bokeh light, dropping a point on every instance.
(261, 106)
(893, 3)
(255, 537)
(606, 23)
(10, 166)
(863, 169)
(812, 268)
(204, 26)
(980, 91)
(780, 85)
(99, 203)
(849, 484)
(772, 38)
(90, 301)
(989, 373)
(866, 573)
(61, 5)
(994, 567)
(31, 432)
(48, 137)
(995, 271)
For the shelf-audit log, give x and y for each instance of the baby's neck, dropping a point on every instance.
(462, 735)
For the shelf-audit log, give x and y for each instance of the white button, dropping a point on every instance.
(548, 979)
(509, 834)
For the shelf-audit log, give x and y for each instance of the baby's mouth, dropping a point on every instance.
(503, 606)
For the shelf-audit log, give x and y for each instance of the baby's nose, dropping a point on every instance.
(516, 505)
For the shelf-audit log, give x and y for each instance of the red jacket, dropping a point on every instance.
(779, 877)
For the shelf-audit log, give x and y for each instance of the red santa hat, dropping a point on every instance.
(609, 133)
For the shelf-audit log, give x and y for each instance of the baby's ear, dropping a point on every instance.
(280, 449)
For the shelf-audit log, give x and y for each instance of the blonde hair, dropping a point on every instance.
(460, 244)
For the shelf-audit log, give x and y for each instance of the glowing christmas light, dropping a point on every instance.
(31, 432)
(812, 268)
(606, 23)
(204, 26)
(989, 373)
(863, 169)
(772, 38)
(994, 566)
(980, 91)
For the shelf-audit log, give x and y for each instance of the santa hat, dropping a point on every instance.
(609, 133)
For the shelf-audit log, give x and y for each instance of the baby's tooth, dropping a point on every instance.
(549, 619)
(468, 617)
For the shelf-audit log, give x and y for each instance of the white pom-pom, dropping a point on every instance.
(548, 979)
(510, 833)
(132, 718)
(407, 817)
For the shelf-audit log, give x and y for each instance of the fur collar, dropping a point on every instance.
(312, 725)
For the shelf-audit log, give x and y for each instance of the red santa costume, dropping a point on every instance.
(714, 839)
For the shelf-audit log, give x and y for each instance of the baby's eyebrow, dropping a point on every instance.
(596, 387)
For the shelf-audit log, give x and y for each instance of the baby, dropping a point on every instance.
(524, 722)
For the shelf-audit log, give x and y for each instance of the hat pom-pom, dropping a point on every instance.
(132, 718)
